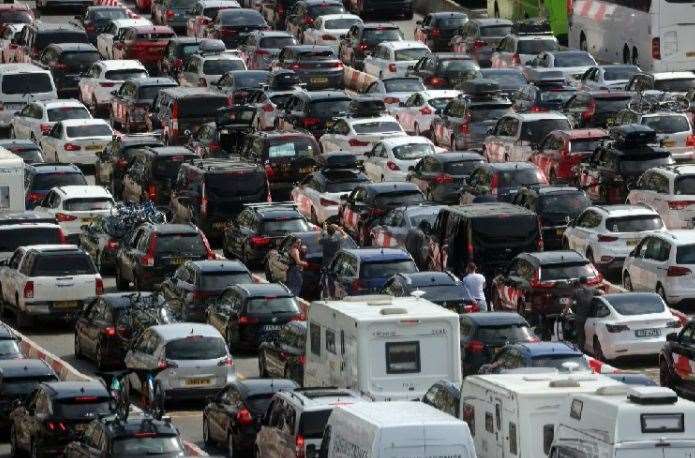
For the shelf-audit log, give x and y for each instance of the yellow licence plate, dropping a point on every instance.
(197, 381)
(65, 305)
(319, 80)
(632, 242)
(177, 261)
(93, 147)
(669, 143)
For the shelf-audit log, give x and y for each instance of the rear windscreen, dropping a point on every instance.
(200, 107)
(63, 113)
(85, 205)
(510, 333)
(79, 60)
(553, 272)
(233, 185)
(520, 177)
(30, 156)
(285, 226)
(27, 83)
(635, 165)
(612, 105)
(341, 24)
(637, 304)
(51, 180)
(375, 36)
(150, 92)
(81, 407)
(146, 445)
(486, 112)
(126, 75)
(343, 186)
(326, 54)
(329, 108)
(63, 264)
(500, 229)
(411, 54)
(271, 305)
(634, 223)
(386, 268)
(188, 4)
(667, 124)
(217, 281)
(377, 127)
(619, 73)
(222, 66)
(535, 131)
(277, 42)
(168, 167)
(251, 79)
(155, 36)
(413, 151)
(10, 239)
(537, 46)
(506, 79)
(240, 18)
(280, 147)
(495, 30)
(311, 424)
(585, 145)
(47, 38)
(459, 168)
(566, 203)
(258, 404)
(574, 60)
(196, 347)
(109, 14)
(452, 22)
(15, 17)
(403, 85)
(391, 199)
(684, 185)
(190, 245)
(23, 385)
(94, 130)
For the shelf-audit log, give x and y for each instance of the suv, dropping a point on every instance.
(521, 46)
(294, 422)
(130, 103)
(34, 38)
(440, 176)
(606, 234)
(674, 130)
(152, 172)
(210, 192)
(499, 181)
(399, 8)
(41, 178)
(312, 110)
(489, 234)
(155, 251)
(316, 66)
(284, 356)
(21, 84)
(596, 108)
(362, 39)
(437, 29)
(112, 163)
(479, 37)
(67, 62)
(14, 235)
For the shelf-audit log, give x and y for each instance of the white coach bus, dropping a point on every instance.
(657, 35)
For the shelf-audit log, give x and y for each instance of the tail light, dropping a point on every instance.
(680, 204)
(262, 52)
(214, 147)
(516, 59)
(392, 165)
(90, 28)
(539, 242)
(377, 212)
(268, 108)
(258, 241)
(28, 290)
(327, 202)
(565, 151)
(444, 179)
(471, 308)
(46, 128)
(328, 37)
(246, 320)
(109, 331)
(589, 112)
(72, 147)
(121, 163)
(295, 66)
(435, 32)
(390, 100)
(301, 359)
(107, 84)
(152, 192)
(99, 287)
(269, 171)
(336, 65)
(311, 122)
(301, 317)
(656, 48)
(465, 126)
(148, 259)
(677, 271)
(355, 142)
(358, 285)
(425, 111)
(494, 183)
(56, 426)
(34, 197)
(308, 20)
(607, 238)
(243, 417)
(393, 68)
(164, 364)
(363, 46)
(62, 238)
(690, 141)
(177, 64)
(170, 14)
(202, 82)
(538, 109)
(479, 44)
(475, 346)
(613, 328)
(175, 110)
(64, 217)
(436, 81)
(537, 283)
(203, 205)
(227, 362)
(299, 446)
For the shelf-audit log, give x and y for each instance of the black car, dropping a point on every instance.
(500, 181)
(18, 379)
(555, 206)
(232, 418)
(509, 80)
(95, 19)
(129, 105)
(233, 25)
(67, 62)
(250, 313)
(442, 288)
(445, 396)
(546, 91)
(155, 251)
(259, 228)
(484, 333)
(29, 151)
(596, 108)
(440, 176)
(311, 110)
(284, 356)
(560, 356)
(437, 29)
(210, 192)
(362, 39)
(112, 437)
(317, 66)
(239, 84)
(41, 178)
(112, 163)
(55, 415)
(196, 284)
(175, 54)
(380, 8)
(99, 332)
(445, 70)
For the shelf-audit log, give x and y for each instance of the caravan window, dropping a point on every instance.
(548, 436)
(662, 422)
(489, 423)
(330, 341)
(512, 438)
(402, 357)
(315, 336)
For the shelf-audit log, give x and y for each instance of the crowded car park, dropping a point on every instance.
(312, 228)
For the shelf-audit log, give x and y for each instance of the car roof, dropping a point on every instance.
(318, 398)
(623, 210)
(116, 427)
(215, 3)
(439, 93)
(73, 46)
(538, 349)
(123, 299)
(172, 228)
(679, 236)
(434, 278)
(154, 81)
(182, 330)
(577, 134)
(322, 95)
(672, 75)
(494, 318)
(439, 14)
(24, 368)
(258, 289)
(405, 140)
(219, 265)
(307, 48)
(130, 22)
(59, 103)
(73, 389)
(378, 254)
(538, 116)
(51, 26)
(455, 156)
(254, 386)
(27, 216)
(164, 151)
(404, 44)
(84, 122)
(382, 118)
(390, 186)
(120, 64)
(82, 191)
(21, 68)
(51, 167)
(53, 248)
(489, 209)
(555, 257)
(557, 189)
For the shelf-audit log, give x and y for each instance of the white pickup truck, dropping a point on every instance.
(49, 281)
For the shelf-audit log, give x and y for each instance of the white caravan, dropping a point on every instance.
(514, 414)
(635, 422)
(394, 430)
(11, 182)
(387, 348)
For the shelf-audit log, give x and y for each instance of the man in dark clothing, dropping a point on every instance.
(582, 307)
(331, 241)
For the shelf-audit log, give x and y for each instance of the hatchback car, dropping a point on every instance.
(76, 141)
(29, 151)
(18, 380)
(442, 288)
(440, 176)
(284, 356)
(41, 178)
(563, 356)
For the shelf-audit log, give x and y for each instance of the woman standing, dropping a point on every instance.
(296, 266)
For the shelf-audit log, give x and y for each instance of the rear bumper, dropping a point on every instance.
(52, 309)
(184, 394)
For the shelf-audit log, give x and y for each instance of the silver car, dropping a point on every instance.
(179, 361)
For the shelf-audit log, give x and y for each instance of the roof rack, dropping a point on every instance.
(532, 26)
(260, 205)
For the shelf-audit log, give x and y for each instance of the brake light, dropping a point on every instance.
(308, 20)
(170, 14)
(204, 205)
(425, 111)
(99, 287)
(46, 128)
(28, 290)
(435, 32)
(565, 151)
(471, 308)
(164, 364)
(227, 362)
(494, 183)
(680, 204)
(109, 331)
(538, 109)
(656, 48)
(175, 110)
(393, 68)
(311, 122)
(607, 238)
(479, 44)
(246, 320)
(392, 165)
(443, 179)
(327, 202)
(465, 126)
(178, 63)
(355, 142)
(677, 271)
(475, 346)
(62, 238)
(690, 141)
(56, 426)
(299, 446)
(589, 112)
(516, 59)
(258, 241)
(64, 217)
(357, 285)
(152, 192)
(436, 81)
(148, 259)
(106, 84)
(295, 66)
(72, 147)
(35, 197)
(243, 417)
(268, 108)
(363, 46)
(301, 359)
(269, 171)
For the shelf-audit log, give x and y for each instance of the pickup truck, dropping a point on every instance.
(48, 281)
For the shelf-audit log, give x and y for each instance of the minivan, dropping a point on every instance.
(21, 84)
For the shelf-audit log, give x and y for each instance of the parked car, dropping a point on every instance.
(442, 288)
(284, 356)
(563, 356)
(440, 176)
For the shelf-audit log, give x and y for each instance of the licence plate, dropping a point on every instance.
(319, 79)
(271, 327)
(93, 147)
(669, 143)
(564, 300)
(65, 305)
(177, 261)
(86, 220)
(647, 333)
(305, 170)
(197, 381)
(610, 121)
(631, 242)
(559, 231)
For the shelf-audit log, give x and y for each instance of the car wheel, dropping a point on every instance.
(590, 256)
(230, 445)
(665, 378)
(565, 244)
(661, 292)
(95, 105)
(262, 371)
(137, 283)
(381, 75)
(22, 320)
(598, 350)
(14, 450)
(206, 432)
(78, 347)
(12, 134)
(452, 142)
(126, 125)
(99, 356)
(627, 281)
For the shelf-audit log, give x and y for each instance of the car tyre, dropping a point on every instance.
(627, 281)
(661, 292)
(665, 378)
(598, 350)
(99, 357)
(206, 432)
(78, 348)
(159, 401)
(121, 283)
(22, 319)
(228, 335)
(553, 177)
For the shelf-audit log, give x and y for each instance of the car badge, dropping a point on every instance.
(274, 320)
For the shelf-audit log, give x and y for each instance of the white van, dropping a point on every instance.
(386, 348)
(21, 84)
(394, 430)
(515, 414)
(639, 422)
(11, 182)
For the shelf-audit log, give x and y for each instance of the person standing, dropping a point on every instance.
(295, 268)
(331, 242)
(474, 283)
(582, 307)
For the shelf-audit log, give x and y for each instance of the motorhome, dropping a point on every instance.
(515, 414)
(387, 348)
(394, 430)
(639, 422)
(11, 182)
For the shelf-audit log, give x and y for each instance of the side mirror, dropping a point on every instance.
(418, 22)
(672, 337)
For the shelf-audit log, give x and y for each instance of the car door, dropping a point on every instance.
(7, 274)
(21, 125)
(579, 231)
(217, 411)
(128, 255)
(655, 263)
(93, 325)
(548, 156)
(683, 355)
(635, 265)
(599, 312)
(375, 162)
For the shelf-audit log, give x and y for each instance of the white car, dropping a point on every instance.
(74, 206)
(394, 90)
(663, 262)
(327, 30)
(76, 141)
(114, 32)
(515, 135)
(517, 50)
(606, 234)
(573, 63)
(628, 324)
(673, 130)
(49, 281)
(393, 58)
(392, 158)
(358, 135)
(669, 190)
(206, 70)
(266, 103)
(418, 111)
(104, 78)
(38, 118)
(602, 77)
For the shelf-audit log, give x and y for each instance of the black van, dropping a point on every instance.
(489, 234)
(209, 192)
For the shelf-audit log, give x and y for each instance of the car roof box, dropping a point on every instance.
(338, 160)
(633, 135)
(480, 87)
(239, 116)
(531, 26)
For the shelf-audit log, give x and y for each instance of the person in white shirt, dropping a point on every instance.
(474, 283)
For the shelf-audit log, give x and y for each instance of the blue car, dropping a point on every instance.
(562, 356)
(364, 271)
(41, 178)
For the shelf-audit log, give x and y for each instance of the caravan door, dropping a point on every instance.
(500, 435)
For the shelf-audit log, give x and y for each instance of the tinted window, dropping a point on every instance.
(404, 85)
(320, 10)
(391, 199)
(573, 60)
(23, 385)
(63, 113)
(251, 79)
(460, 67)
(200, 107)
(634, 223)
(685, 254)
(637, 304)
(486, 112)
(81, 407)
(685, 185)
(563, 203)
(413, 151)
(94, 130)
(241, 18)
(109, 14)
(535, 131)
(15, 17)
(149, 92)
(679, 85)
(375, 269)
(612, 105)
(188, 4)
(220, 280)
(258, 404)
(461, 167)
(196, 347)
(277, 42)
(557, 96)
(140, 446)
(635, 164)
(126, 75)
(10, 239)
(26, 83)
(495, 31)
(505, 79)
(402, 357)
(62, 264)
(375, 36)
(411, 54)
(340, 23)
(667, 124)
(282, 147)
(235, 184)
(567, 271)
(619, 73)
(537, 46)
(29, 155)
(168, 167)
(181, 244)
(330, 108)
(520, 177)
(284, 226)
(88, 204)
(377, 127)
(505, 333)
(585, 145)
(261, 305)
(558, 361)
(222, 66)
(79, 60)
(311, 424)
(51, 180)
(46, 38)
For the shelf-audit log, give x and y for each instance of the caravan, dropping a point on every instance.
(639, 422)
(11, 182)
(515, 414)
(387, 348)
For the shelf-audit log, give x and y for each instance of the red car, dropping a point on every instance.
(561, 152)
(145, 43)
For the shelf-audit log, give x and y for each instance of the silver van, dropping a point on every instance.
(21, 84)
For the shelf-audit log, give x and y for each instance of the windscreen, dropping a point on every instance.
(570, 203)
(460, 168)
(251, 79)
(285, 226)
(668, 124)
(51, 180)
(553, 272)
(200, 106)
(217, 281)
(535, 131)
(340, 24)
(452, 22)
(584, 145)
(558, 362)
(109, 14)
(509, 333)
(323, 54)
(81, 407)
(574, 60)
(235, 185)
(149, 92)
(222, 66)
(85, 205)
(142, 446)
(196, 347)
(537, 46)
(155, 36)
(47, 38)
(377, 127)
(168, 167)
(63, 113)
(495, 31)
(398, 198)
(271, 305)
(126, 74)
(10, 239)
(189, 245)
(675, 85)
(634, 223)
(413, 151)
(404, 85)
(684, 185)
(637, 304)
(312, 423)
(62, 264)
(26, 83)
(259, 403)
(277, 42)
(9, 349)
(22, 386)
(79, 60)
(612, 104)
(241, 18)
(93, 130)
(520, 177)
(284, 147)
(15, 17)
(376, 36)
(619, 73)
(375, 269)
(325, 8)
(411, 54)
(330, 108)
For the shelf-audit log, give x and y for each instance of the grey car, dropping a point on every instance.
(262, 47)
